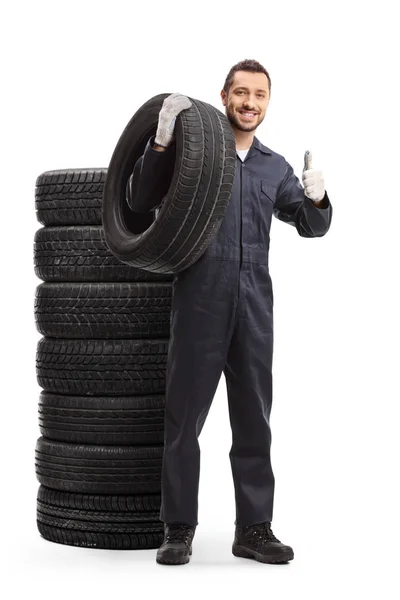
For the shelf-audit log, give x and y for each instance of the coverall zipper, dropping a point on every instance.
(241, 223)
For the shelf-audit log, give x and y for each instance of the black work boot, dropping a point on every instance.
(258, 542)
(177, 545)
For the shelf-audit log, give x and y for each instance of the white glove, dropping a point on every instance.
(171, 107)
(313, 180)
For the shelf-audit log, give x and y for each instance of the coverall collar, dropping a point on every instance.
(257, 145)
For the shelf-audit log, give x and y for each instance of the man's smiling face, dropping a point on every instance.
(249, 92)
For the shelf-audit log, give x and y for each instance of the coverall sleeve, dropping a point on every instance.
(150, 179)
(294, 207)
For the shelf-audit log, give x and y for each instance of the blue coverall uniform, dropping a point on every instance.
(222, 320)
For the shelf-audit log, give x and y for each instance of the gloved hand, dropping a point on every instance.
(171, 107)
(313, 180)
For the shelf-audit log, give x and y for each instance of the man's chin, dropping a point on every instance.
(242, 127)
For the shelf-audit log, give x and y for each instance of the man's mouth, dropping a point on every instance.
(247, 115)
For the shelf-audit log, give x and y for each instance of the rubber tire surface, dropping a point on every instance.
(81, 253)
(115, 420)
(200, 190)
(103, 310)
(98, 469)
(70, 196)
(122, 522)
(102, 367)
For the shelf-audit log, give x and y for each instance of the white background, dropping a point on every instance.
(73, 74)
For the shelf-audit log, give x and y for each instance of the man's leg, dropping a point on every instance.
(248, 374)
(201, 320)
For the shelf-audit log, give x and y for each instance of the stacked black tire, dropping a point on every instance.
(101, 364)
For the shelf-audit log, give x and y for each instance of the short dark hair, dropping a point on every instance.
(246, 65)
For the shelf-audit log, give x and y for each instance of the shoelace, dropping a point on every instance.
(178, 531)
(262, 532)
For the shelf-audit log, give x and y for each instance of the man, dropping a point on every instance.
(222, 319)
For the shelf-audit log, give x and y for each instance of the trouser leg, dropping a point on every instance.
(248, 374)
(201, 320)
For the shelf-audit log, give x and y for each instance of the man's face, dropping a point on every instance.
(248, 92)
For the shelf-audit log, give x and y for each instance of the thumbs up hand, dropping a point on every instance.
(313, 180)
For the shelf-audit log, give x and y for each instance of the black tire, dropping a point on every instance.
(198, 196)
(70, 196)
(116, 420)
(138, 504)
(81, 253)
(90, 469)
(149, 537)
(101, 367)
(104, 310)
(122, 522)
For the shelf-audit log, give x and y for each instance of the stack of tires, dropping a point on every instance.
(104, 310)
(101, 365)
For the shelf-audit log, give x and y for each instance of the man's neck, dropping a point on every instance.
(244, 139)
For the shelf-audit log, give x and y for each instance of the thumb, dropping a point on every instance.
(307, 160)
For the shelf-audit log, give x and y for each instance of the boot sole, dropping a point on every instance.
(174, 560)
(243, 552)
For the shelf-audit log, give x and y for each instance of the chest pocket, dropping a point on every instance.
(268, 191)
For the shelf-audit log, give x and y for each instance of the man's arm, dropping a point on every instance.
(311, 219)
(151, 177)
